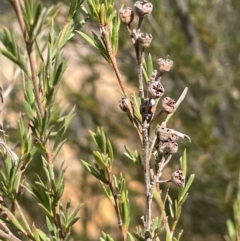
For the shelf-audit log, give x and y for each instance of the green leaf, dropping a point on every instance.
(13, 219)
(186, 188)
(149, 65)
(94, 172)
(49, 225)
(131, 238)
(87, 38)
(107, 193)
(125, 209)
(184, 162)
(43, 235)
(110, 151)
(74, 4)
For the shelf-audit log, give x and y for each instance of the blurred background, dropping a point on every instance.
(202, 38)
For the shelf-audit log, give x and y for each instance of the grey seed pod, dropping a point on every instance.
(143, 8)
(171, 147)
(155, 89)
(164, 65)
(168, 105)
(144, 39)
(126, 15)
(178, 178)
(124, 104)
(166, 134)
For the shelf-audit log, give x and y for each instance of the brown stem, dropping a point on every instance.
(122, 229)
(64, 31)
(57, 221)
(28, 43)
(105, 37)
(8, 236)
(146, 179)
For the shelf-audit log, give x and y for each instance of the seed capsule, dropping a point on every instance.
(143, 8)
(126, 15)
(178, 178)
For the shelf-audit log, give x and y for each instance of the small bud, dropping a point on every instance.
(178, 178)
(155, 89)
(126, 15)
(164, 65)
(124, 104)
(168, 105)
(171, 147)
(145, 40)
(143, 8)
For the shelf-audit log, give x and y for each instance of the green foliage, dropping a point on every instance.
(138, 112)
(42, 129)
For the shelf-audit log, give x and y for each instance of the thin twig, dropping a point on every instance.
(28, 43)
(8, 236)
(146, 179)
(105, 38)
(116, 207)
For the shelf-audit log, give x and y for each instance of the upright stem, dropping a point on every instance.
(28, 43)
(105, 38)
(116, 207)
(146, 164)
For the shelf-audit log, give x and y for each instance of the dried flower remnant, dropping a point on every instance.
(168, 105)
(148, 108)
(124, 104)
(171, 147)
(178, 178)
(143, 8)
(144, 40)
(126, 15)
(155, 89)
(164, 65)
(166, 134)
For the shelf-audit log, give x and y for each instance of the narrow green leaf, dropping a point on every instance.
(184, 162)
(87, 38)
(100, 160)
(110, 151)
(43, 235)
(92, 170)
(125, 209)
(13, 219)
(49, 225)
(35, 233)
(107, 193)
(103, 141)
(131, 238)
(171, 210)
(149, 65)
(189, 183)
(168, 237)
